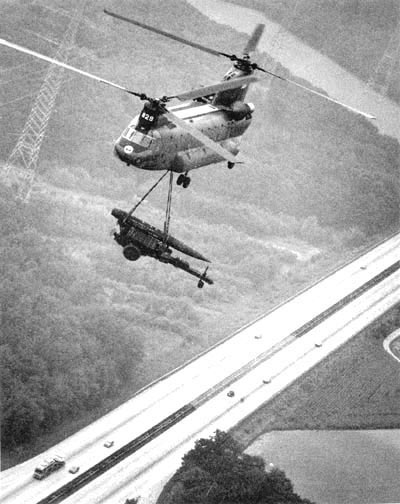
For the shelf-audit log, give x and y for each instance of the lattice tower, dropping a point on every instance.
(381, 78)
(21, 166)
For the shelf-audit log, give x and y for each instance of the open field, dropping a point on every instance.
(354, 465)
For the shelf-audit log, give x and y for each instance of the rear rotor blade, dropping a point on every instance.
(353, 109)
(251, 44)
(68, 67)
(205, 140)
(215, 88)
(165, 34)
(254, 39)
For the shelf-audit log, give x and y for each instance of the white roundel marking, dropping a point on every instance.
(128, 149)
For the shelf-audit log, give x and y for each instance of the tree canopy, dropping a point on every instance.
(216, 470)
(62, 353)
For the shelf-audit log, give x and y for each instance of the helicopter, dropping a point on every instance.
(205, 129)
(138, 238)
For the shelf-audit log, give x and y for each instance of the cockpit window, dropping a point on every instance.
(128, 132)
(137, 137)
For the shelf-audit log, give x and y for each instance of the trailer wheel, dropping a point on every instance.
(131, 253)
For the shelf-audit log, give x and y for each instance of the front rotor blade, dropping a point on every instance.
(201, 137)
(254, 39)
(215, 88)
(353, 109)
(165, 34)
(65, 65)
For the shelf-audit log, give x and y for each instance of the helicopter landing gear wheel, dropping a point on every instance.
(183, 180)
(230, 165)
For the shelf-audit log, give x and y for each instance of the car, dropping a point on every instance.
(231, 393)
(73, 469)
(258, 336)
(109, 444)
(266, 381)
(318, 344)
(48, 466)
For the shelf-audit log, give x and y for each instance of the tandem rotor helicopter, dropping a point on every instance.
(204, 130)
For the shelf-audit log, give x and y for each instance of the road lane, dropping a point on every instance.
(222, 412)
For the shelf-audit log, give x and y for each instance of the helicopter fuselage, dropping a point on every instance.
(166, 146)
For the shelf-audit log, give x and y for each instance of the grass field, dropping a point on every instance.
(354, 465)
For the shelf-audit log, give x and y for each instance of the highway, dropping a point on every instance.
(153, 430)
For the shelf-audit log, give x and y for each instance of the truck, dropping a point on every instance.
(48, 466)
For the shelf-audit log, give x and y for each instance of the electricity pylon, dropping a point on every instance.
(21, 166)
(381, 78)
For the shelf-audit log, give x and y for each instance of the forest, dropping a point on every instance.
(83, 329)
(216, 470)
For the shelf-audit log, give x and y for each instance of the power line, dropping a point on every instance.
(23, 97)
(33, 74)
(42, 37)
(38, 74)
(12, 68)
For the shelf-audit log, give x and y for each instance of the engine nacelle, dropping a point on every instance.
(239, 110)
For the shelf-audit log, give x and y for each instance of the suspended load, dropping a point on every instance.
(138, 238)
